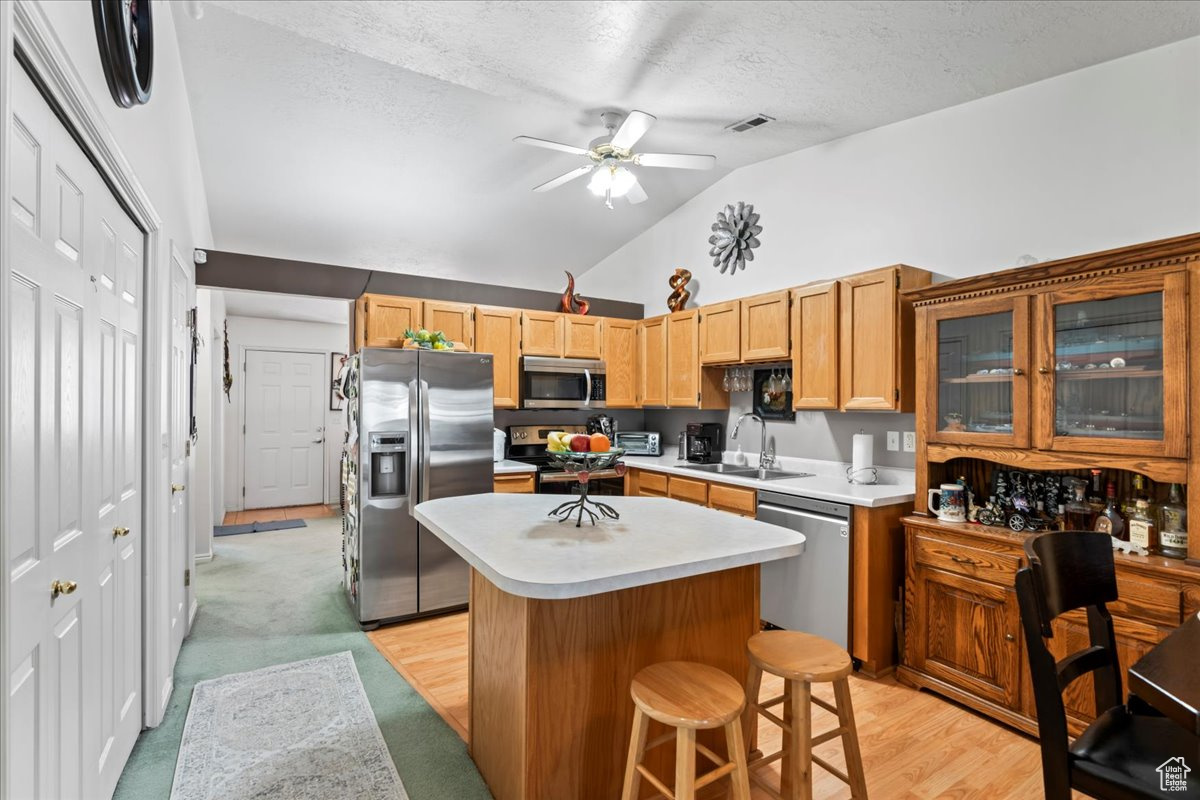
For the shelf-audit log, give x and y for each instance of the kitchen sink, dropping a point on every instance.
(723, 469)
(748, 472)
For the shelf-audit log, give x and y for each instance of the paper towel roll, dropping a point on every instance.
(863, 462)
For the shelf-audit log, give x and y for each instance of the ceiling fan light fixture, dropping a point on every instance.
(611, 180)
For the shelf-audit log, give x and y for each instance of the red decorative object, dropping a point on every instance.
(571, 302)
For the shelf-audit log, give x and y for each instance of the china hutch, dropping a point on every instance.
(1062, 368)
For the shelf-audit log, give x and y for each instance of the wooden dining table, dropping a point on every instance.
(1168, 677)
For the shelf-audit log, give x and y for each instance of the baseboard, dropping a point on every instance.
(204, 558)
(192, 614)
(165, 697)
(919, 680)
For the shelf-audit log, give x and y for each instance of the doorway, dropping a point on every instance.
(284, 428)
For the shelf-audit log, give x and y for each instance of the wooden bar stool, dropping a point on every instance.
(687, 697)
(802, 659)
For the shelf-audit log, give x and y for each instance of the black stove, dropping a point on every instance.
(527, 444)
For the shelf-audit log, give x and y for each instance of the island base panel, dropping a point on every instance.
(549, 679)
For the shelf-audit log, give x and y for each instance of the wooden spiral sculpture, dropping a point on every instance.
(679, 293)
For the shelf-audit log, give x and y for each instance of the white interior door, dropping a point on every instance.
(75, 463)
(285, 428)
(178, 546)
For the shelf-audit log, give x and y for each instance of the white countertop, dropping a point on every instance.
(512, 542)
(827, 483)
(508, 466)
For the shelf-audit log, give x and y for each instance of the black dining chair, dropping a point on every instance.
(1117, 757)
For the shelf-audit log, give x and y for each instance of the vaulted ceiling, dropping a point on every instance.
(379, 134)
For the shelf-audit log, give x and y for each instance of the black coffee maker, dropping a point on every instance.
(602, 423)
(705, 441)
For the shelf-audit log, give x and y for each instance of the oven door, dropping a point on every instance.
(561, 383)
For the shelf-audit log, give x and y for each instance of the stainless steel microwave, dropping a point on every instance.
(561, 382)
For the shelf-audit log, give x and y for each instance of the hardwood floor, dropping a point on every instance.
(914, 744)
(317, 511)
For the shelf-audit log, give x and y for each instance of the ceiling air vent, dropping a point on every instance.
(749, 123)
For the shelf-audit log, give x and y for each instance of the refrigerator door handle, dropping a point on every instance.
(426, 445)
(414, 446)
(587, 377)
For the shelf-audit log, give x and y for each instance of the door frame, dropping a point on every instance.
(243, 350)
(27, 34)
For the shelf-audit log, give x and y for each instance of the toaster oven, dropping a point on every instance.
(639, 443)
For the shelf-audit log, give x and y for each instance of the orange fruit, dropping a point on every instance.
(600, 443)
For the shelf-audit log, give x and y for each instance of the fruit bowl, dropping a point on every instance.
(573, 461)
(581, 467)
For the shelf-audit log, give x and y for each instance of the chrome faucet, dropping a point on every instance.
(766, 460)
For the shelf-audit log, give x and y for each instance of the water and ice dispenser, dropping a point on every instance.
(389, 464)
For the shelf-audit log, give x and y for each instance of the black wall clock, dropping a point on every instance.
(126, 40)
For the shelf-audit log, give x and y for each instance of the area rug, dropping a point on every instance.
(257, 527)
(300, 731)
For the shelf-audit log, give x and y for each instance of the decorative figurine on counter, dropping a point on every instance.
(679, 293)
(571, 302)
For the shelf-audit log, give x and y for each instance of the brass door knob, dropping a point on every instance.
(177, 487)
(62, 587)
(1018, 371)
(119, 532)
(1010, 637)
(1044, 370)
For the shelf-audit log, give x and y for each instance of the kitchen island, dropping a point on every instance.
(562, 618)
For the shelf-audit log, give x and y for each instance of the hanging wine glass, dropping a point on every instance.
(725, 382)
(786, 385)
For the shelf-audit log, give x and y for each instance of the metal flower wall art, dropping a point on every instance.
(735, 235)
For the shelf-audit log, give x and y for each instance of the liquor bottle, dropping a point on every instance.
(1078, 515)
(1172, 532)
(1096, 498)
(1110, 520)
(1143, 529)
(1129, 504)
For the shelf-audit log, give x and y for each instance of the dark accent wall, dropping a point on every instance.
(280, 275)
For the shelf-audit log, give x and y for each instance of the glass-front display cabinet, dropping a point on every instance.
(1115, 354)
(978, 391)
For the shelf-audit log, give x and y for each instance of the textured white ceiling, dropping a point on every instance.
(268, 305)
(378, 134)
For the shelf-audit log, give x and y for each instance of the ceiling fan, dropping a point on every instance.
(610, 154)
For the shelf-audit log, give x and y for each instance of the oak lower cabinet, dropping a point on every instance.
(498, 331)
(513, 483)
(962, 625)
(454, 320)
(620, 348)
(380, 320)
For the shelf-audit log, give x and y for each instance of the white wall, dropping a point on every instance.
(267, 334)
(1099, 158)
(208, 471)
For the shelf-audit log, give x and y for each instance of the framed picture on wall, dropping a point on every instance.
(336, 398)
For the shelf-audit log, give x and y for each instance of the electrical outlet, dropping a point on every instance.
(893, 440)
(910, 441)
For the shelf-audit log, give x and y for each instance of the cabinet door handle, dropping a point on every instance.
(1010, 637)
(963, 560)
(1018, 371)
(1043, 370)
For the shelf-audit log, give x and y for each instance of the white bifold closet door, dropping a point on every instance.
(73, 516)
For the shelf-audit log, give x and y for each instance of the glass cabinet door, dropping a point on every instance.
(1117, 375)
(978, 391)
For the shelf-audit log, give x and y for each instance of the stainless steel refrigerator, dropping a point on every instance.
(420, 428)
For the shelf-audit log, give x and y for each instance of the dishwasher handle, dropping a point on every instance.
(771, 508)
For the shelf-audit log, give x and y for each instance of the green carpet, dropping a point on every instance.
(272, 598)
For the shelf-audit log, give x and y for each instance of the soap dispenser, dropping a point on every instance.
(739, 458)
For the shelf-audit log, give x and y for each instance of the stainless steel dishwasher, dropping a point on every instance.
(809, 592)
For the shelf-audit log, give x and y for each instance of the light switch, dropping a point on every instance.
(893, 440)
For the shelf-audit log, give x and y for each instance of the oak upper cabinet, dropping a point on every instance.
(620, 337)
(542, 333)
(581, 336)
(720, 333)
(765, 327)
(975, 368)
(498, 331)
(452, 319)
(683, 359)
(815, 355)
(381, 320)
(652, 361)
(1112, 366)
(876, 332)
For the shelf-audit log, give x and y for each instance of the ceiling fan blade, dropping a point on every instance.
(636, 194)
(633, 128)
(675, 160)
(564, 178)
(566, 148)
